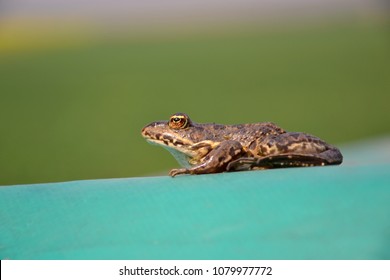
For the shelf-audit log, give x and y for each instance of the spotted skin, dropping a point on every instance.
(213, 148)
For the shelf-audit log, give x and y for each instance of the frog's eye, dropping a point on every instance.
(178, 121)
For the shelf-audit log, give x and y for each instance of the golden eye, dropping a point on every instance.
(178, 121)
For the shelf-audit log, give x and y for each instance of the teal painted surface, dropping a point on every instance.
(337, 212)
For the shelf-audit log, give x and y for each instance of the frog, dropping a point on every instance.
(205, 148)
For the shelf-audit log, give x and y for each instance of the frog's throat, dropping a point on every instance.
(178, 153)
(182, 159)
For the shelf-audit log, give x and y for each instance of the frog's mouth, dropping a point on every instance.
(169, 143)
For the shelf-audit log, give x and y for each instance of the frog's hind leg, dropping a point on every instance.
(290, 149)
(296, 149)
(294, 160)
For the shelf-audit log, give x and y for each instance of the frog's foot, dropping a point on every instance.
(292, 160)
(197, 169)
(243, 164)
(179, 171)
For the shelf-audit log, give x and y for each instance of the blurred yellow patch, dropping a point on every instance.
(33, 34)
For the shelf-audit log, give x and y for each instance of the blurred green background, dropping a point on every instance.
(72, 107)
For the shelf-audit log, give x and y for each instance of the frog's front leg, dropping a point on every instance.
(215, 161)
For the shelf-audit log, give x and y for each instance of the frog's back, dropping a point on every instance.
(251, 134)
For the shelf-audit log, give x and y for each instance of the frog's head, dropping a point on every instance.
(178, 135)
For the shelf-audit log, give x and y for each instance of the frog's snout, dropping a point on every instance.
(145, 131)
(151, 129)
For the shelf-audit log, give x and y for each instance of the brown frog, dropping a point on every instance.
(212, 148)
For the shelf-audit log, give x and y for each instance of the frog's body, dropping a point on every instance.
(212, 148)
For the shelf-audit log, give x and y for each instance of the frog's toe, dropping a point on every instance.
(179, 171)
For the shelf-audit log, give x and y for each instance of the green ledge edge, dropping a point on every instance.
(331, 212)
